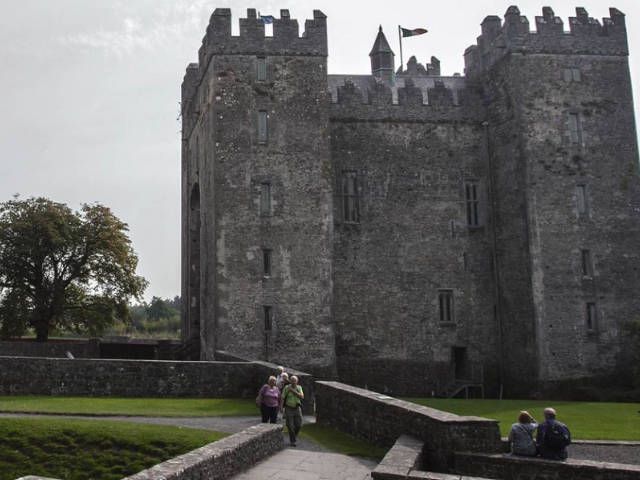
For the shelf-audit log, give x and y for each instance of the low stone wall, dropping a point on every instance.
(523, 468)
(401, 460)
(380, 419)
(56, 349)
(136, 378)
(222, 459)
(265, 369)
(117, 347)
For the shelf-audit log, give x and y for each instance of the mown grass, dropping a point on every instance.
(90, 449)
(152, 407)
(586, 420)
(339, 442)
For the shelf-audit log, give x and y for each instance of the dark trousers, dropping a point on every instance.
(294, 422)
(269, 414)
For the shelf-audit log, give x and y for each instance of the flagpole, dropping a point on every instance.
(400, 38)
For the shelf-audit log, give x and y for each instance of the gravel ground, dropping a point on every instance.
(620, 452)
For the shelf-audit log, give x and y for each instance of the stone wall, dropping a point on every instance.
(380, 419)
(222, 459)
(138, 378)
(57, 349)
(120, 347)
(519, 468)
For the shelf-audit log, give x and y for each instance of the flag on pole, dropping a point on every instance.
(412, 33)
(267, 19)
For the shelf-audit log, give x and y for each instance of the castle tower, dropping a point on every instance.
(382, 58)
(257, 192)
(564, 157)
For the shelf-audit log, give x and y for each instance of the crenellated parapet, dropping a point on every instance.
(411, 99)
(586, 35)
(286, 39)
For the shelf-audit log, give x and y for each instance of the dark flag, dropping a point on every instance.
(412, 33)
(267, 19)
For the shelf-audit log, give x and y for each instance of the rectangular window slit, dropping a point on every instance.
(268, 318)
(261, 69)
(587, 265)
(262, 126)
(350, 196)
(445, 303)
(591, 316)
(265, 198)
(266, 262)
(472, 203)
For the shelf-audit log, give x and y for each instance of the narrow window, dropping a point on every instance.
(575, 134)
(262, 126)
(268, 318)
(265, 199)
(572, 75)
(473, 203)
(576, 76)
(266, 262)
(261, 69)
(350, 199)
(587, 265)
(581, 200)
(445, 305)
(592, 316)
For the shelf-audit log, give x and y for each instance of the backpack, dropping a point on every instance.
(556, 436)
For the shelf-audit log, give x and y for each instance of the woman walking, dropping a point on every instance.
(268, 400)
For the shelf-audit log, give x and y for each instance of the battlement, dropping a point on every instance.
(253, 41)
(411, 99)
(586, 36)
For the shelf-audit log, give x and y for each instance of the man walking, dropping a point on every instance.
(291, 403)
(553, 437)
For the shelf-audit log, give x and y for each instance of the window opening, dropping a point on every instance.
(350, 198)
(445, 303)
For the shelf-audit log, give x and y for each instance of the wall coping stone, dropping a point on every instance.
(438, 415)
(569, 468)
(221, 459)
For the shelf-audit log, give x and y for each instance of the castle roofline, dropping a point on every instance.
(381, 45)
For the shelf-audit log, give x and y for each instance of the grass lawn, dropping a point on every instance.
(586, 420)
(339, 442)
(150, 407)
(90, 449)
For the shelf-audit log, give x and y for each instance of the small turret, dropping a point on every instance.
(382, 58)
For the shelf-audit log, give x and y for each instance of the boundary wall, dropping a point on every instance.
(381, 419)
(215, 461)
(139, 378)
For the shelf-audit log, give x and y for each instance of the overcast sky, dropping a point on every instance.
(90, 92)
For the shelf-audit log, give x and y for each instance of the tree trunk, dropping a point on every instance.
(42, 330)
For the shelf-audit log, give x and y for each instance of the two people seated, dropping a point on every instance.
(551, 440)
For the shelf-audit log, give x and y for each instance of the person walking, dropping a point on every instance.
(291, 405)
(553, 437)
(521, 436)
(269, 401)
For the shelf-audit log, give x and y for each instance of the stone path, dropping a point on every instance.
(298, 464)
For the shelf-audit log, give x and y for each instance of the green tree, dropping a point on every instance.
(159, 308)
(63, 269)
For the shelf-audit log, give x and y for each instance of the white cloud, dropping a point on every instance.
(168, 23)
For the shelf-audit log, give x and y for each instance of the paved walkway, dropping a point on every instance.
(298, 464)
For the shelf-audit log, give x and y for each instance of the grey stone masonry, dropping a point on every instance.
(219, 460)
(414, 232)
(139, 378)
(381, 419)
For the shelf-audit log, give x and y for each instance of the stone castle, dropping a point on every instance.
(405, 230)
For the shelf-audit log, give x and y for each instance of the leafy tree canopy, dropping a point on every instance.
(63, 269)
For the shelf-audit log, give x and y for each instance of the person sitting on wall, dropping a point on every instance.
(521, 436)
(291, 404)
(268, 400)
(553, 437)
